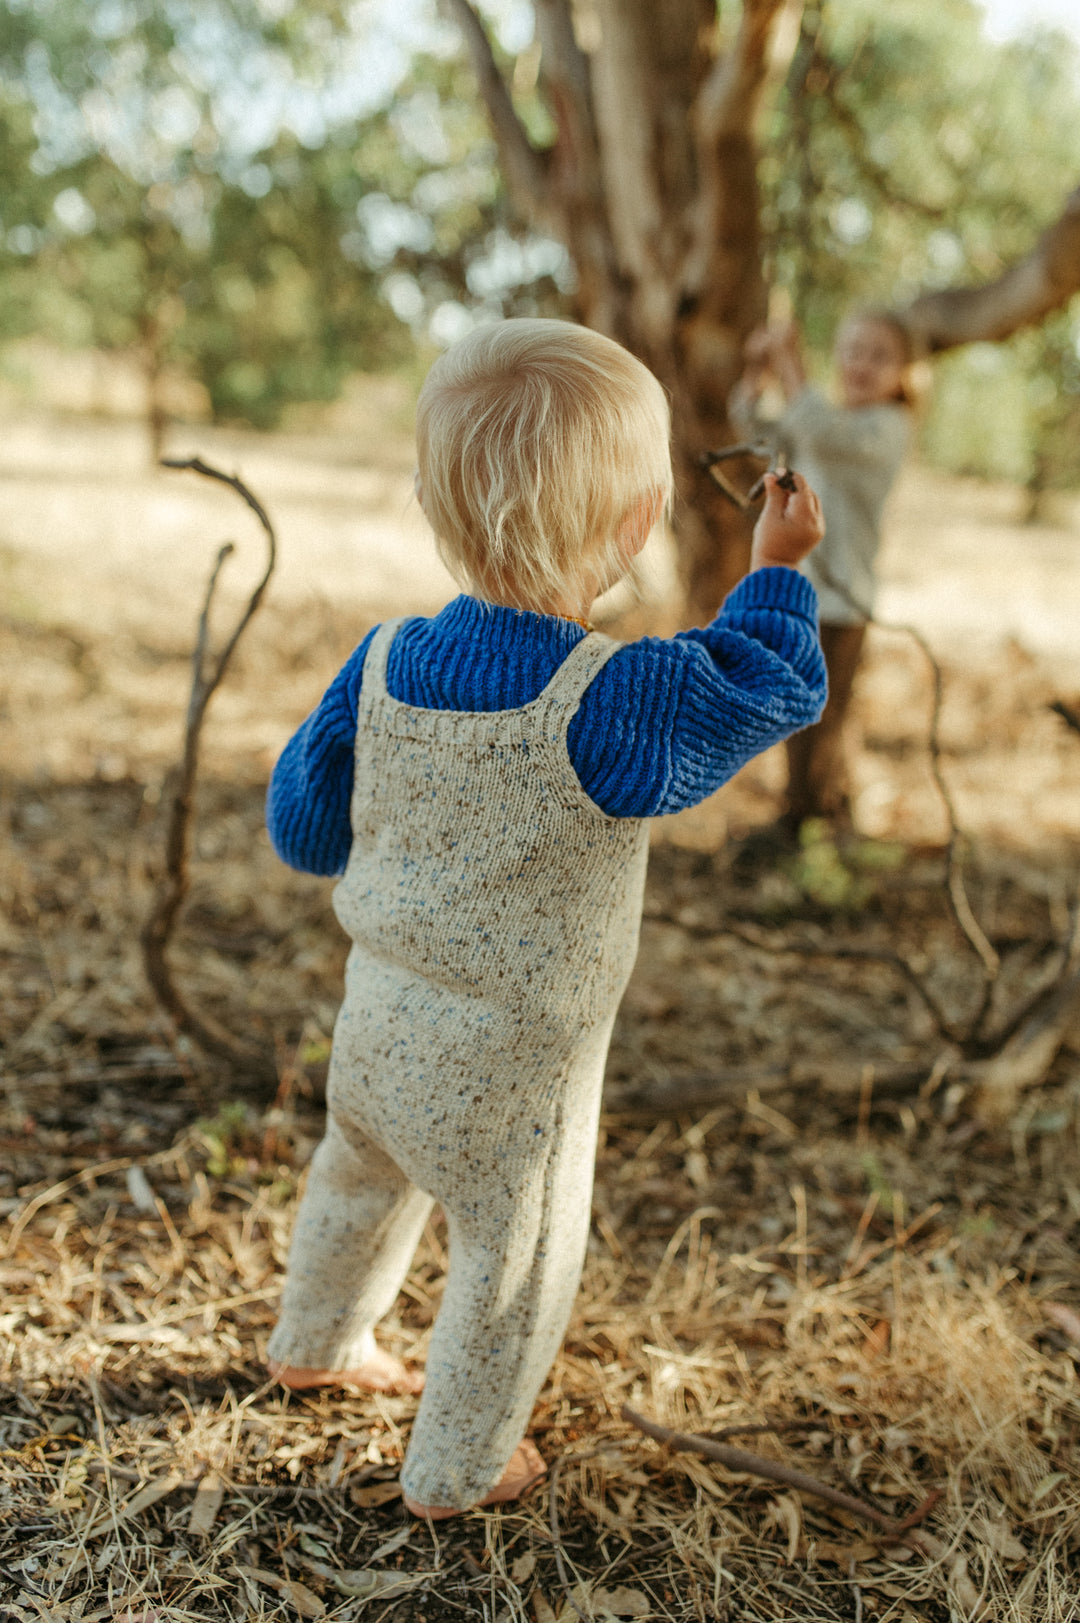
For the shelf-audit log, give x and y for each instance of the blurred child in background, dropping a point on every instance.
(850, 453)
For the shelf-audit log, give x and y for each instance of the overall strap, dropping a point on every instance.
(373, 679)
(586, 659)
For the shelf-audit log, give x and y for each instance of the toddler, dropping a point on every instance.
(481, 780)
(851, 452)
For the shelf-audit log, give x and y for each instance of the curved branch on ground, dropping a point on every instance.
(959, 902)
(739, 1459)
(172, 887)
(821, 949)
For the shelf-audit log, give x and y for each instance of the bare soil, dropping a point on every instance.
(801, 1218)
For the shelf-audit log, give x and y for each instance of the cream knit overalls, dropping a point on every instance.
(494, 912)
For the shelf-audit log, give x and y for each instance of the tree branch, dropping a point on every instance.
(725, 215)
(739, 1459)
(853, 953)
(728, 100)
(1044, 280)
(172, 888)
(523, 167)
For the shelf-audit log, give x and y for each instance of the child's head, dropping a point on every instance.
(544, 457)
(874, 356)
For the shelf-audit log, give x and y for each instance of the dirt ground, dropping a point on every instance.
(807, 1218)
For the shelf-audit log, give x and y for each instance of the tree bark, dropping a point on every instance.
(652, 186)
(1023, 295)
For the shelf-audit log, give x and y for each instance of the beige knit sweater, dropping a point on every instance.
(851, 456)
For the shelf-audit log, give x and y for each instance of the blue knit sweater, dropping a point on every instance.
(663, 724)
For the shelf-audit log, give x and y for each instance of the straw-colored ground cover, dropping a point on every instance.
(864, 1268)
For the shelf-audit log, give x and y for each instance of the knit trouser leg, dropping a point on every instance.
(516, 1255)
(357, 1230)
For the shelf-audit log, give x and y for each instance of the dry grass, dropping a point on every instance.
(893, 1289)
(149, 1470)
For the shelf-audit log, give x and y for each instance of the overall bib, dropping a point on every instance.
(494, 911)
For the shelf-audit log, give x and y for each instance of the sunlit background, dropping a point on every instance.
(250, 202)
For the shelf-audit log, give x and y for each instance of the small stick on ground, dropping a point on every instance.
(556, 1535)
(172, 887)
(739, 1459)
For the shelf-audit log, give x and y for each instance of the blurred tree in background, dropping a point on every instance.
(909, 151)
(263, 195)
(211, 185)
(826, 147)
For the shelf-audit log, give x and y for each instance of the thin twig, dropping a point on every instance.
(556, 1535)
(814, 949)
(965, 918)
(1069, 716)
(761, 452)
(739, 1459)
(172, 888)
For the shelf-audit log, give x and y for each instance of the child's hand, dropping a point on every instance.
(790, 524)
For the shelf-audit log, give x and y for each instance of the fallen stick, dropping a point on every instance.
(741, 1460)
(682, 1095)
(172, 886)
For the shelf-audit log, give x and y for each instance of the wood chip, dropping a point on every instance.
(375, 1494)
(205, 1505)
(307, 1603)
(110, 1519)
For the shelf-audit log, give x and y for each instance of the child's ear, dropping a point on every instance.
(418, 489)
(638, 523)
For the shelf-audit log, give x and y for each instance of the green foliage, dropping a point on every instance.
(900, 158)
(148, 216)
(230, 186)
(226, 1140)
(839, 875)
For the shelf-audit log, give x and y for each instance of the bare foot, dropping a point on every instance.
(526, 1467)
(382, 1372)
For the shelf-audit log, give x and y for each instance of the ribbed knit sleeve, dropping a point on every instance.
(666, 722)
(663, 725)
(307, 805)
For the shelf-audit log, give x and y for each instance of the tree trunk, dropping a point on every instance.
(652, 186)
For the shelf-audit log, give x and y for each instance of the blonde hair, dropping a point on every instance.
(539, 443)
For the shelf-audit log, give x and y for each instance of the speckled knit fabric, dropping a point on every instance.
(494, 913)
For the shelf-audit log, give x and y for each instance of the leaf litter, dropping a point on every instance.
(889, 1285)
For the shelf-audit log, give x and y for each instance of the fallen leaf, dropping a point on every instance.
(1047, 1485)
(134, 1506)
(962, 1589)
(306, 1602)
(996, 1532)
(375, 1494)
(524, 1567)
(622, 1602)
(313, 1546)
(541, 1610)
(842, 1555)
(367, 1583)
(205, 1505)
(402, 1536)
(1066, 1319)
